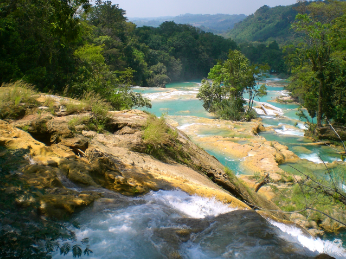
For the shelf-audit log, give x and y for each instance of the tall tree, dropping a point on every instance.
(230, 80)
(36, 37)
(314, 64)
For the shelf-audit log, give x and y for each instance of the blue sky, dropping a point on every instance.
(156, 8)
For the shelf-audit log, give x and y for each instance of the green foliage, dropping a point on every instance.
(78, 120)
(90, 102)
(49, 45)
(186, 52)
(270, 54)
(161, 141)
(159, 78)
(216, 23)
(266, 25)
(37, 39)
(257, 176)
(15, 99)
(318, 64)
(157, 134)
(230, 80)
(230, 173)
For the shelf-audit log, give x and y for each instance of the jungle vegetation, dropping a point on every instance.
(215, 23)
(318, 64)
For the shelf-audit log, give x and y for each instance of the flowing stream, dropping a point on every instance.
(173, 224)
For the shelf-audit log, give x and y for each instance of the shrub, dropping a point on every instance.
(157, 133)
(159, 138)
(98, 105)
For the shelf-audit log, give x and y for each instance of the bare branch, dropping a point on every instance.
(327, 215)
(337, 135)
(328, 170)
(327, 190)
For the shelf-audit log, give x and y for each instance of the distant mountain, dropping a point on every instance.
(266, 25)
(216, 23)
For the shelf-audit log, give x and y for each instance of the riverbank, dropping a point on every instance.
(274, 145)
(76, 166)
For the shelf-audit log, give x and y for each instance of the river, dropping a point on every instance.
(173, 224)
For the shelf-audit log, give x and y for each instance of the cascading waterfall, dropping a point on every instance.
(165, 224)
(173, 224)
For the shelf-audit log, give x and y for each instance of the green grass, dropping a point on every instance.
(161, 141)
(15, 99)
(90, 102)
(157, 133)
(50, 102)
(298, 198)
(76, 121)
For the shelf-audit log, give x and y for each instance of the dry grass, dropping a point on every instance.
(89, 102)
(157, 132)
(15, 99)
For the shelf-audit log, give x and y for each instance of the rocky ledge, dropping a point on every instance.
(72, 164)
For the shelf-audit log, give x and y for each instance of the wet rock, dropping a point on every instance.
(91, 160)
(324, 256)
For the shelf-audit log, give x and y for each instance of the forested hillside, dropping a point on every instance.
(59, 44)
(216, 23)
(266, 25)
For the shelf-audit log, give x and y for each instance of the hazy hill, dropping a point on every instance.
(265, 25)
(216, 23)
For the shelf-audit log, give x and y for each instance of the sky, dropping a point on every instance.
(157, 8)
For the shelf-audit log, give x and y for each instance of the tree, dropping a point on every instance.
(230, 80)
(159, 77)
(315, 67)
(37, 38)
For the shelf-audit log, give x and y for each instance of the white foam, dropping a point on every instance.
(313, 244)
(273, 79)
(191, 205)
(292, 132)
(312, 157)
(170, 95)
(185, 126)
(343, 187)
(259, 111)
(302, 126)
(285, 93)
(268, 109)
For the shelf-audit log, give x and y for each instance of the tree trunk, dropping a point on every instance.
(319, 111)
(262, 183)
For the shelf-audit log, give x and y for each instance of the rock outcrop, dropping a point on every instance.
(72, 164)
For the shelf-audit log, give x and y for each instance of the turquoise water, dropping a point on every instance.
(230, 162)
(192, 107)
(182, 108)
(174, 224)
(181, 85)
